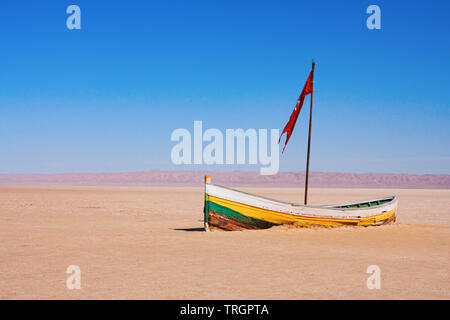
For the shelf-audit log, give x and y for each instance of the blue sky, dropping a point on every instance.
(107, 97)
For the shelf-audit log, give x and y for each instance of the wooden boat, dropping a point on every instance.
(229, 209)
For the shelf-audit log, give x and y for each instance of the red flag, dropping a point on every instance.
(307, 89)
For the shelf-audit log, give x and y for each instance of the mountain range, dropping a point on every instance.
(233, 178)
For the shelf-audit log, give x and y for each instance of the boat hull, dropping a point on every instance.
(229, 210)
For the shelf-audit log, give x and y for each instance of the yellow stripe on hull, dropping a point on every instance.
(284, 218)
(387, 216)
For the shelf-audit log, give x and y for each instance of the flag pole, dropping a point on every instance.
(309, 135)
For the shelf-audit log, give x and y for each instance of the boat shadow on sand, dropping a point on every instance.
(190, 229)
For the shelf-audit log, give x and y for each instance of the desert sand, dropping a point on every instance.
(149, 243)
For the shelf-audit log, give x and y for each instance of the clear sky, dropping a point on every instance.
(107, 97)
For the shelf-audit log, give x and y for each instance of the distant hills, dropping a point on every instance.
(234, 178)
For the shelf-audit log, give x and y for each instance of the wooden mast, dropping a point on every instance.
(309, 135)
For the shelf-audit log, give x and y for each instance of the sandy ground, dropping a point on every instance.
(147, 243)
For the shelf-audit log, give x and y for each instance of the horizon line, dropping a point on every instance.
(222, 172)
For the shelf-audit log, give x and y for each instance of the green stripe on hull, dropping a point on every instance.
(238, 217)
(206, 210)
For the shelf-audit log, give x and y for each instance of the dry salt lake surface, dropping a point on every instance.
(148, 243)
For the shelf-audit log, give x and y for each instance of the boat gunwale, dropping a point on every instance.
(393, 199)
